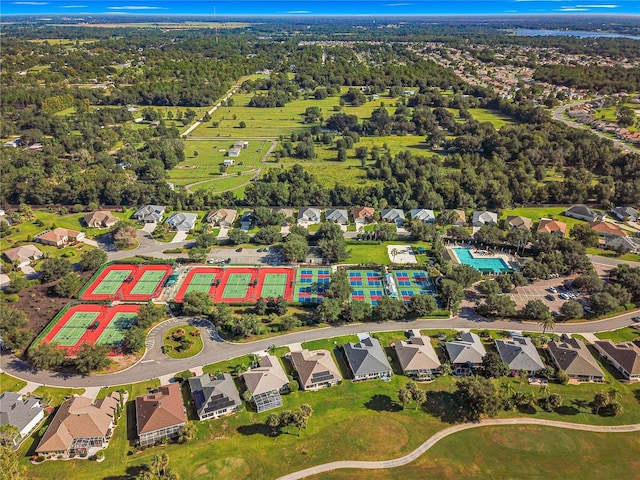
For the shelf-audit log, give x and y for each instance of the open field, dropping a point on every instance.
(497, 119)
(10, 384)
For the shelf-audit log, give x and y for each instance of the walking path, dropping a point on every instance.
(430, 442)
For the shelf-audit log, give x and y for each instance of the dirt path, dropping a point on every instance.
(430, 442)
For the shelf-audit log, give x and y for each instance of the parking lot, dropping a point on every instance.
(247, 256)
(539, 291)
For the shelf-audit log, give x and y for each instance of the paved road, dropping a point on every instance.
(155, 365)
(410, 457)
(612, 262)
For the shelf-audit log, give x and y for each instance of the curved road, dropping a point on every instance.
(430, 442)
(155, 364)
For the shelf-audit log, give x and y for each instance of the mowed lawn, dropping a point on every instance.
(622, 335)
(530, 452)
(10, 384)
(536, 213)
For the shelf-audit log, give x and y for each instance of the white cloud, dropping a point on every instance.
(572, 9)
(31, 3)
(73, 6)
(137, 7)
(597, 6)
(297, 12)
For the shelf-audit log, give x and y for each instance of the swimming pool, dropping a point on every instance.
(484, 264)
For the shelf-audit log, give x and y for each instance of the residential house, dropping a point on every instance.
(81, 426)
(23, 255)
(582, 212)
(622, 244)
(393, 215)
(315, 369)
(548, 225)
(466, 354)
(363, 215)
(246, 221)
(309, 216)
(624, 356)
(423, 214)
(223, 217)
(241, 144)
(482, 217)
(59, 237)
(367, 360)
(460, 219)
(24, 413)
(520, 354)
(626, 214)
(149, 213)
(265, 382)
(417, 358)
(15, 143)
(287, 212)
(182, 221)
(234, 152)
(339, 216)
(100, 219)
(228, 162)
(607, 230)
(572, 356)
(214, 396)
(519, 222)
(159, 414)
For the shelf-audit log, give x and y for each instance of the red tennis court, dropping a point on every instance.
(93, 324)
(128, 282)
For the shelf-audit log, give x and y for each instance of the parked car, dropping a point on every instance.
(552, 289)
(239, 249)
(550, 297)
(636, 319)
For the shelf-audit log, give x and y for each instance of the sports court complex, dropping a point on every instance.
(368, 285)
(311, 284)
(91, 323)
(238, 284)
(413, 282)
(127, 282)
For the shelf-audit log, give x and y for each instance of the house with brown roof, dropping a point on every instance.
(572, 356)
(159, 414)
(100, 219)
(516, 221)
(624, 356)
(223, 217)
(417, 358)
(548, 225)
(265, 382)
(363, 215)
(315, 369)
(59, 237)
(607, 230)
(80, 426)
(23, 254)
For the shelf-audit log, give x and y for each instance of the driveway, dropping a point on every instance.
(28, 271)
(223, 234)
(180, 237)
(149, 227)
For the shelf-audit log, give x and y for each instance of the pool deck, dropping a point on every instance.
(480, 253)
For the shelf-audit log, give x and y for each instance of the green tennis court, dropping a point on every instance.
(116, 330)
(200, 282)
(110, 284)
(74, 328)
(237, 285)
(275, 285)
(148, 282)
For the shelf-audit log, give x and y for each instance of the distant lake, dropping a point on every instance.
(569, 33)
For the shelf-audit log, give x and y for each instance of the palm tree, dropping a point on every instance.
(405, 396)
(286, 418)
(306, 409)
(599, 400)
(522, 374)
(187, 432)
(548, 322)
(394, 252)
(300, 421)
(160, 463)
(613, 394)
(420, 397)
(273, 421)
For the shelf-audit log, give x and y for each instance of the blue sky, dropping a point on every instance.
(322, 7)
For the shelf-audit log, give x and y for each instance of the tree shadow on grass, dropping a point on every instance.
(255, 429)
(579, 403)
(131, 472)
(567, 410)
(527, 409)
(443, 405)
(382, 403)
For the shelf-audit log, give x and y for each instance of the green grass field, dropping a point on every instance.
(57, 394)
(170, 344)
(536, 213)
(622, 335)
(10, 384)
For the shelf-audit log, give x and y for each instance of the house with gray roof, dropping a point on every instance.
(483, 217)
(24, 413)
(309, 216)
(265, 382)
(466, 354)
(214, 396)
(622, 244)
(423, 214)
(339, 216)
(572, 356)
(626, 214)
(149, 213)
(520, 354)
(393, 215)
(182, 221)
(417, 358)
(519, 222)
(246, 221)
(315, 369)
(367, 360)
(624, 356)
(582, 212)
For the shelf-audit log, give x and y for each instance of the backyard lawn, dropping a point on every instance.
(536, 213)
(57, 394)
(622, 335)
(10, 384)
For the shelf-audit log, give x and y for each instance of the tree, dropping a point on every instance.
(268, 235)
(394, 252)
(196, 304)
(554, 400)
(535, 310)
(10, 468)
(451, 293)
(489, 287)
(331, 242)
(420, 397)
(273, 422)
(384, 231)
(600, 401)
(616, 409)
(293, 386)
(571, 309)
(54, 268)
(93, 259)
(8, 434)
(478, 397)
(187, 432)
(149, 314)
(603, 302)
(493, 366)
(68, 285)
(91, 358)
(46, 356)
(13, 329)
(198, 254)
(124, 234)
(547, 323)
(159, 463)
(339, 287)
(422, 304)
(465, 275)
(356, 311)
(260, 307)
(497, 306)
(329, 310)
(389, 308)
(295, 248)
(584, 234)
(134, 340)
(238, 236)
(405, 396)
